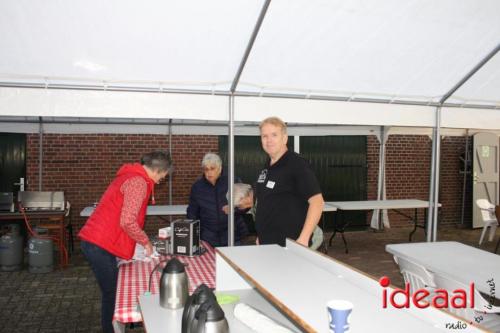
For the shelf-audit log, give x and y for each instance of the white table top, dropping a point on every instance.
(175, 210)
(379, 204)
(153, 210)
(160, 320)
(454, 260)
(304, 288)
(328, 207)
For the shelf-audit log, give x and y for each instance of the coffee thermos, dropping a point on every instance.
(199, 296)
(203, 314)
(173, 285)
(209, 318)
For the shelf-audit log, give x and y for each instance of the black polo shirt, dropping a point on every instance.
(282, 192)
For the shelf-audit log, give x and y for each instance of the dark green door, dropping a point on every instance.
(249, 158)
(12, 161)
(340, 165)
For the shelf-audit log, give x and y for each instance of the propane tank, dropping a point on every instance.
(41, 252)
(11, 249)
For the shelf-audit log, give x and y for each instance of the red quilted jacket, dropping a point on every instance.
(103, 226)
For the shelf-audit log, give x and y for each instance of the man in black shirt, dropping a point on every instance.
(289, 200)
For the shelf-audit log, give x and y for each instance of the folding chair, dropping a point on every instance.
(483, 313)
(489, 218)
(317, 238)
(415, 275)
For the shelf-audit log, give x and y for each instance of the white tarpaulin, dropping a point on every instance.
(123, 55)
(336, 62)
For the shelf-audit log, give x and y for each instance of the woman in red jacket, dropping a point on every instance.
(116, 224)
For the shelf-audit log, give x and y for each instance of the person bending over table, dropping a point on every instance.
(289, 202)
(116, 224)
(208, 203)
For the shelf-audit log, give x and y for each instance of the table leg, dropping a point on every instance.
(340, 230)
(415, 222)
(325, 245)
(334, 228)
(345, 242)
(380, 216)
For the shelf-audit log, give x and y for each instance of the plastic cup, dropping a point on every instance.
(338, 315)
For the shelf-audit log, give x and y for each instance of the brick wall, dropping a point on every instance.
(83, 165)
(408, 159)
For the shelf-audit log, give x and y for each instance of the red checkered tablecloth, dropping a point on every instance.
(133, 281)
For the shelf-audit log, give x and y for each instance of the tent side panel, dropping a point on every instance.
(308, 111)
(112, 104)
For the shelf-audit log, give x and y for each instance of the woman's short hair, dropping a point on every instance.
(211, 159)
(158, 161)
(274, 121)
(240, 191)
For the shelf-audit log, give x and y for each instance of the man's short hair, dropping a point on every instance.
(274, 121)
(158, 161)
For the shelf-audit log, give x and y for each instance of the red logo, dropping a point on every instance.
(422, 298)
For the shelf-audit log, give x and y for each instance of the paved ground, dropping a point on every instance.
(68, 300)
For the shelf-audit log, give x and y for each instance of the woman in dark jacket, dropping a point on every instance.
(208, 203)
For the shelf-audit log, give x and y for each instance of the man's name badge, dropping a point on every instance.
(262, 176)
(270, 184)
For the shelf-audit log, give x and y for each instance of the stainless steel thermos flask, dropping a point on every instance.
(173, 285)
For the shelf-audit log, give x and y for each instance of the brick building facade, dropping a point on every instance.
(82, 165)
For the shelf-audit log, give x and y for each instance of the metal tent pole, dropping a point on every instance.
(170, 176)
(234, 84)
(377, 217)
(434, 180)
(434, 188)
(431, 187)
(40, 153)
(437, 161)
(230, 183)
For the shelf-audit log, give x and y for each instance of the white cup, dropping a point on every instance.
(338, 315)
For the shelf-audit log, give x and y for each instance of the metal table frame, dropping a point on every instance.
(395, 205)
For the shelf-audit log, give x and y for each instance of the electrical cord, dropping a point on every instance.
(201, 250)
(36, 235)
(156, 267)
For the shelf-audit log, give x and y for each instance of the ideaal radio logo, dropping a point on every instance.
(438, 298)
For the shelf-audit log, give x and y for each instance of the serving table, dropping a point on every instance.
(296, 283)
(133, 281)
(395, 205)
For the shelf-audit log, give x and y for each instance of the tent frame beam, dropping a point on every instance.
(234, 84)
(436, 147)
(246, 94)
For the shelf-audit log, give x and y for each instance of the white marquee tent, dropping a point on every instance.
(411, 64)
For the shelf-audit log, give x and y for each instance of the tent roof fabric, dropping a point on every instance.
(350, 50)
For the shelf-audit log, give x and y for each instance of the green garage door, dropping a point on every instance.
(12, 161)
(249, 158)
(340, 164)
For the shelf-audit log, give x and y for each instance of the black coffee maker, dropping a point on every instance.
(202, 313)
